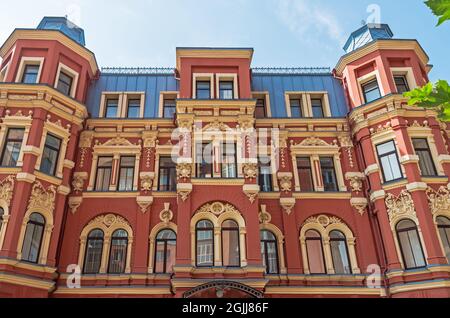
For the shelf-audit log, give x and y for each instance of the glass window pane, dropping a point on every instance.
(339, 253)
(296, 108)
(93, 254)
(386, 148)
(317, 108)
(226, 90)
(328, 174)
(269, 252)
(13, 145)
(371, 91)
(410, 245)
(314, 250)
(134, 108)
(203, 90)
(33, 238)
(402, 84)
(64, 83)
(230, 247)
(118, 252)
(30, 74)
(50, 155)
(169, 108)
(112, 106)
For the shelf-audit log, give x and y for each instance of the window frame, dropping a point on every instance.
(300, 107)
(197, 230)
(171, 170)
(62, 68)
(107, 107)
(41, 239)
(112, 239)
(221, 90)
(344, 240)
(261, 179)
(98, 167)
(364, 92)
(405, 83)
(28, 60)
(86, 249)
(275, 242)
(122, 166)
(237, 231)
(197, 89)
(428, 151)
(320, 238)
(58, 152)
(321, 108)
(395, 151)
(7, 140)
(333, 168)
(139, 106)
(447, 236)
(266, 97)
(165, 241)
(311, 172)
(414, 229)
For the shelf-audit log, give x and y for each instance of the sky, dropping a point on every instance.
(284, 33)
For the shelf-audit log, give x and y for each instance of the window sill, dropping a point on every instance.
(394, 184)
(323, 195)
(49, 178)
(435, 179)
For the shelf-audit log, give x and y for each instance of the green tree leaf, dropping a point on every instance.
(431, 96)
(440, 8)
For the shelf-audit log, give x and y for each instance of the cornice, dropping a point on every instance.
(244, 53)
(55, 35)
(382, 45)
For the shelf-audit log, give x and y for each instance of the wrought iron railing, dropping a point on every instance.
(291, 70)
(138, 70)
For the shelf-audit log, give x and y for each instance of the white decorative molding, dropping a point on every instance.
(287, 204)
(184, 171)
(323, 220)
(409, 159)
(144, 202)
(7, 189)
(439, 200)
(251, 191)
(78, 181)
(166, 215)
(147, 181)
(42, 198)
(360, 204)
(250, 170)
(184, 190)
(74, 203)
(218, 208)
(285, 181)
(356, 180)
(416, 186)
(264, 216)
(400, 206)
(374, 168)
(377, 195)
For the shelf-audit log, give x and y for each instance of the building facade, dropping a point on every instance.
(216, 179)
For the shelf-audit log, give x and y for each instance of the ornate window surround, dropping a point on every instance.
(266, 96)
(229, 213)
(164, 95)
(115, 147)
(108, 223)
(58, 131)
(314, 148)
(325, 224)
(440, 207)
(152, 239)
(6, 193)
(75, 76)
(427, 133)
(28, 60)
(306, 97)
(18, 120)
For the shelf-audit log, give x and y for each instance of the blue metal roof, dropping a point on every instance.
(278, 84)
(65, 26)
(368, 33)
(151, 84)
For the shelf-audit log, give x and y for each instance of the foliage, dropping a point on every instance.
(432, 96)
(440, 8)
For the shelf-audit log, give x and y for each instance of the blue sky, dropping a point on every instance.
(282, 32)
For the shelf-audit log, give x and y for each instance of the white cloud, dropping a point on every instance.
(309, 20)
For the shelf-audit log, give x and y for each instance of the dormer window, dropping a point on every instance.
(260, 110)
(112, 106)
(226, 90)
(296, 108)
(203, 90)
(65, 83)
(402, 84)
(371, 91)
(169, 108)
(317, 108)
(30, 74)
(134, 108)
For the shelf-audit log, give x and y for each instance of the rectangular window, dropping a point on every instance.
(328, 174)
(265, 175)
(317, 108)
(260, 110)
(390, 165)
(126, 173)
(134, 108)
(296, 108)
(204, 160)
(305, 174)
(50, 155)
(167, 175)
(371, 91)
(229, 166)
(11, 149)
(402, 84)
(112, 105)
(65, 83)
(226, 90)
(30, 74)
(169, 107)
(104, 171)
(426, 163)
(203, 90)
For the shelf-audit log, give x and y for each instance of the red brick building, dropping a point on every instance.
(217, 179)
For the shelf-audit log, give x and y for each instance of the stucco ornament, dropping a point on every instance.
(147, 181)
(78, 181)
(217, 208)
(6, 189)
(109, 220)
(184, 170)
(166, 214)
(285, 181)
(184, 190)
(42, 198)
(264, 216)
(356, 181)
(400, 206)
(439, 200)
(323, 220)
(250, 170)
(74, 203)
(360, 204)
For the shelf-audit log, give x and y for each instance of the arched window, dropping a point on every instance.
(93, 254)
(205, 243)
(444, 232)
(269, 252)
(33, 238)
(339, 253)
(410, 246)
(165, 252)
(230, 244)
(118, 252)
(314, 250)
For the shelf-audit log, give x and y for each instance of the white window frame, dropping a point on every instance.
(366, 79)
(132, 95)
(74, 74)
(228, 77)
(266, 96)
(30, 61)
(166, 95)
(407, 72)
(202, 77)
(306, 100)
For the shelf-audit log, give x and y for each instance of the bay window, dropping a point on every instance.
(12, 147)
(371, 91)
(50, 155)
(65, 83)
(426, 163)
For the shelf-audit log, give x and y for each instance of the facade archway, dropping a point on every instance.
(223, 289)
